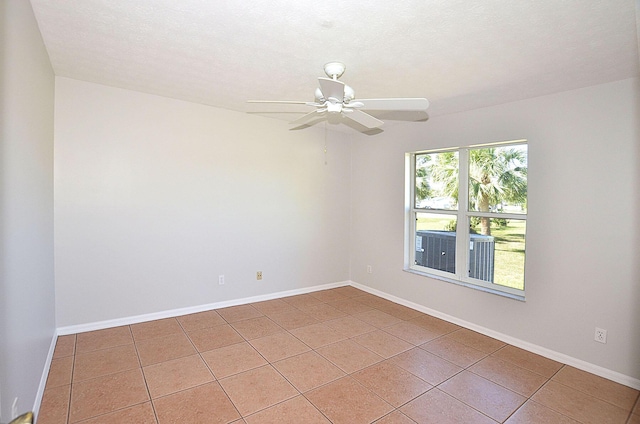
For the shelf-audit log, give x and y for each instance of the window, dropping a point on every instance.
(467, 215)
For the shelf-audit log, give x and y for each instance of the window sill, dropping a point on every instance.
(520, 298)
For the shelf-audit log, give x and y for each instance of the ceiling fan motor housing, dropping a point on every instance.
(334, 69)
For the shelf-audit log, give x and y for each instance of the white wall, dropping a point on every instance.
(583, 236)
(27, 317)
(156, 197)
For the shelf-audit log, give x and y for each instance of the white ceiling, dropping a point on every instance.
(460, 54)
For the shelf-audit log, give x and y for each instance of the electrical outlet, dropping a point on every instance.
(601, 335)
(259, 275)
(221, 279)
(369, 269)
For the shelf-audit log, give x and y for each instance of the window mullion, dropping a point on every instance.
(462, 233)
(410, 202)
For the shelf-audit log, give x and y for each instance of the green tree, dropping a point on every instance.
(496, 175)
(423, 190)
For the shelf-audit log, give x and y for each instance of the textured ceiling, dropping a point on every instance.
(460, 54)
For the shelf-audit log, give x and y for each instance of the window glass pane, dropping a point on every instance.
(498, 179)
(497, 251)
(436, 241)
(436, 184)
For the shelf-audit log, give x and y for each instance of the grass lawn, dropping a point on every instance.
(509, 247)
(509, 254)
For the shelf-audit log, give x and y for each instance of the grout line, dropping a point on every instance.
(144, 377)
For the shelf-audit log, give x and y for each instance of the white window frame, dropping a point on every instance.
(463, 214)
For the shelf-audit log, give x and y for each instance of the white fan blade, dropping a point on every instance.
(363, 119)
(286, 102)
(308, 118)
(332, 89)
(410, 104)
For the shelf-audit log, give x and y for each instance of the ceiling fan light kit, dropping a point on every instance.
(336, 102)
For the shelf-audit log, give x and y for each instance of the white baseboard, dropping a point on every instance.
(45, 374)
(100, 325)
(542, 351)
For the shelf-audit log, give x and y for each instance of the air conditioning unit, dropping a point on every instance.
(437, 250)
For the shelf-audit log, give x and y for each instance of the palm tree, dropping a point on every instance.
(497, 175)
(423, 190)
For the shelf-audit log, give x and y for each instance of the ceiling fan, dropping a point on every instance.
(335, 102)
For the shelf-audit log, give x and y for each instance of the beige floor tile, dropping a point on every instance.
(160, 349)
(350, 306)
(528, 360)
(175, 375)
(96, 377)
(106, 361)
(293, 411)
(317, 335)
(65, 346)
(139, 414)
(454, 351)
(254, 328)
(396, 417)
(607, 390)
(350, 326)
(290, 319)
(347, 401)
(330, 295)
(383, 343)
(60, 372)
(200, 320)
(158, 328)
(233, 359)
(301, 301)
(431, 368)
(400, 311)
(433, 324)
(506, 374)
(349, 356)
(54, 407)
(532, 412)
(273, 306)
(239, 313)
(393, 384)
(214, 337)
(323, 312)
(103, 339)
(279, 346)
(437, 407)
(475, 340)
(106, 394)
(207, 403)
(634, 419)
(257, 389)
(349, 291)
(578, 405)
(487, 397)
(378, 318)
(308, 371)
(411, 333)
(374, 301)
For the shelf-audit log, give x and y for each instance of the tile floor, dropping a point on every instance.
(333, 356)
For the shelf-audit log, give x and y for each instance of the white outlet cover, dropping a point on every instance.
(600, 335)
